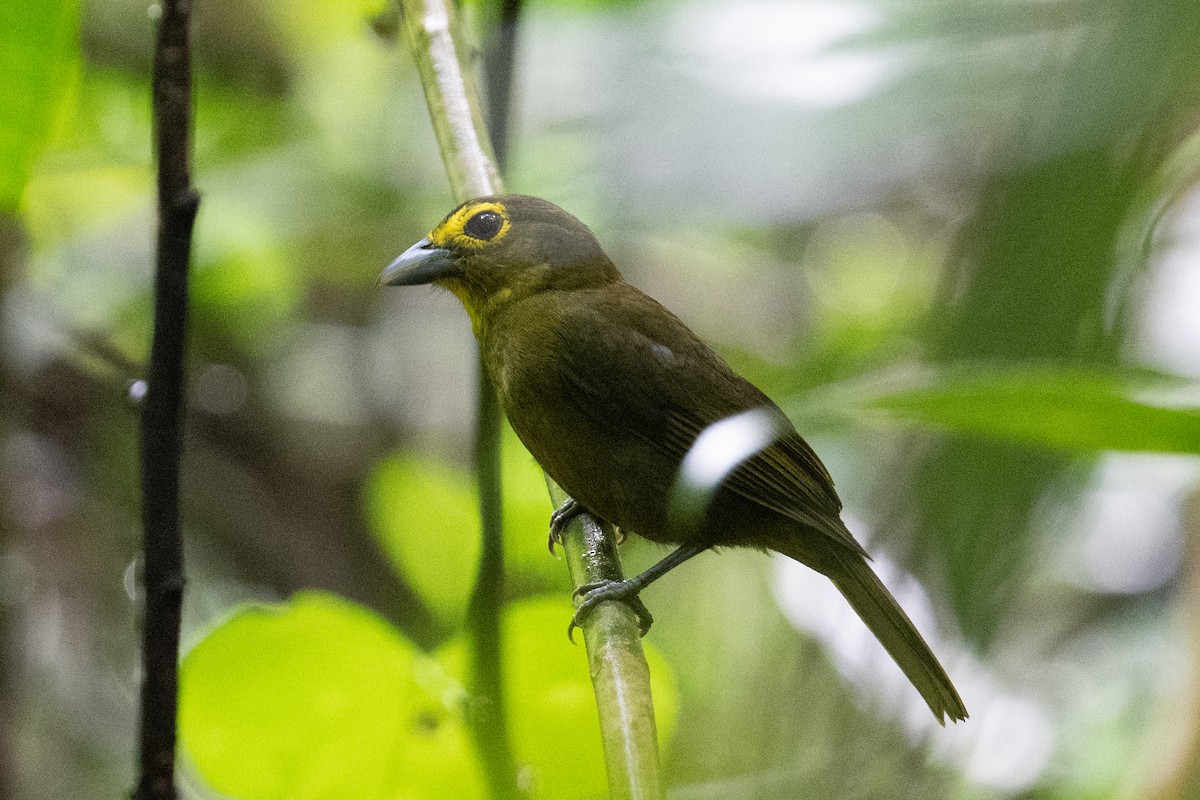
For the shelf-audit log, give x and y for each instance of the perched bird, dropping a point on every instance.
(609, 390)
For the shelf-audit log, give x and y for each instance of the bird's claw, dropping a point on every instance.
(592, 594)
(560, 519)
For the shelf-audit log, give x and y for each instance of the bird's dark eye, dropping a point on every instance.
(484, 225)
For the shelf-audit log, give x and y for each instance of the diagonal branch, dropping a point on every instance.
(618, 666)
(620, 674)
(451, 96)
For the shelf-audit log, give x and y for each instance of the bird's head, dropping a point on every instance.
(494, 250)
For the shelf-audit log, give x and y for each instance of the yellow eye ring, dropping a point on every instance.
(472, 227)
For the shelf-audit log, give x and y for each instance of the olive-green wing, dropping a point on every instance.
(630, 362)
(786, 477)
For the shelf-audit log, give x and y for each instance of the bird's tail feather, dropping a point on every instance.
(875, 605)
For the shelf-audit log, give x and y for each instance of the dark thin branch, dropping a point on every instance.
(489, 710)
(499, 59)
(163, 406)
(261, 548)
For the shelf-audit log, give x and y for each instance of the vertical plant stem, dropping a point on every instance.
(11, 243)
(458, 124)
(485, 613)
(163, 406)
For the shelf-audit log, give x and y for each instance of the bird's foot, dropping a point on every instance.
(560, 519)
(592, 594)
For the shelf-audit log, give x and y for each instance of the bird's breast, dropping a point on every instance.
(580, 435)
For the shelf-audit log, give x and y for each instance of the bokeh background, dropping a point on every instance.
(958, 242)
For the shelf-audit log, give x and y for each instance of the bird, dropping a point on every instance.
(609, 391)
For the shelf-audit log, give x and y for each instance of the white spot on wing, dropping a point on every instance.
(663, 353)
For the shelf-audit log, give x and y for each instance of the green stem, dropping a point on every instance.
(620, 675)
(499, 58)
(452, 98)
(484, 616)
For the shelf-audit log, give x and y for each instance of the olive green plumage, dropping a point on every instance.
(608, 390)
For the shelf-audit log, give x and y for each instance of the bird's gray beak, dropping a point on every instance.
(421, 263)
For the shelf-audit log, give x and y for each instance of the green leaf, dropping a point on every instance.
(246, 291)
(426, 516)
(320, 698)
(1067, 408)
(39, 46)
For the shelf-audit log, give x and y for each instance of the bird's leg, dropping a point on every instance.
(627, 590)
(560, 519)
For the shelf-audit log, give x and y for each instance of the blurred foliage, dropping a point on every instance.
(956, 241)
(426, 517)
(321, 699)
(38, 54)
(1057, 407)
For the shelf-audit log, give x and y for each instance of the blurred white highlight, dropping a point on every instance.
(1169, 325)
(784, 51)
(1130, 528)
(1008, 741)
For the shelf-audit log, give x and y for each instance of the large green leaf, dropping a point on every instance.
(1018, 420)
(320, 698)
(1063, 408)
(1060, 407)
(39, 45)
(425, 514)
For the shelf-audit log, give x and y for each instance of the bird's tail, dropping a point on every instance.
(875, 605)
